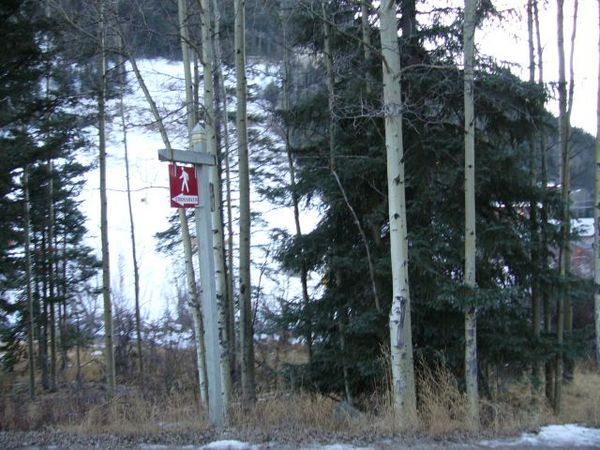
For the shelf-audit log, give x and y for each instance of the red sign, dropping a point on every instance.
(184, 186)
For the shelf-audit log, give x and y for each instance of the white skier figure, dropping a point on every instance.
(185, 178)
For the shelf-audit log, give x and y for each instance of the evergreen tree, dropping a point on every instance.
(508, 111)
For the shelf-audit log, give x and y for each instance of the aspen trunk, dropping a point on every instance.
(194, 299)
(223, 123)
(246, 325)
(470, 236)
(217, 219)
(403, 378)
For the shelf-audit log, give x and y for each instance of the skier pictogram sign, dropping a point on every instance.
(184, 186)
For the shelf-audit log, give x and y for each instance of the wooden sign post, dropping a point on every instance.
(201, 161)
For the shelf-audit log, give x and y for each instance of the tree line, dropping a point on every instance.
(442, 237)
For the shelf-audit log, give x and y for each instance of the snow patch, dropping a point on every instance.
(558, 436)
(229, 445)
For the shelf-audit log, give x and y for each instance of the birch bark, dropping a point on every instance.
(246, 326)
(194, 298)
(207, 59)
(470, 232)
(403, 378)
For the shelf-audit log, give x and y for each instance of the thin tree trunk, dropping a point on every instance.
(565, 226)
(42, 296)
(403, 377)
(223, 121)
(470, 236)
(136, 272)
(30, 321)
(63, 304)
(345, 372)
(597, 218)
(569, 363)
(217, 218)
(366, 42)
(544, 256)
(295, 199)
(194, 297)
(332, 147)
(108, 325)
(246, 323)
(193, 294)
(536, 243)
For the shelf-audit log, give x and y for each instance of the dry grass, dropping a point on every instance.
(174, 408)
(442, 408)
(295, 413)
(581, 399)
(136, 415)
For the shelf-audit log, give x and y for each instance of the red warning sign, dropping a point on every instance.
(184, 186)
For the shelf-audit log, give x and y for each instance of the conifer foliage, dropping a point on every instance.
(39, 125)
(508, 112)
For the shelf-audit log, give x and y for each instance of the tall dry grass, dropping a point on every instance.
(166, 400)
(582, 397)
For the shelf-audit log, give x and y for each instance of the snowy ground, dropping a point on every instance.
(556, 436)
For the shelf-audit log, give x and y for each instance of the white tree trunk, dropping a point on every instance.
(215, 181)
(470, 236)
(194, 298)
(246, 326)
(403, 377)
(224, 119)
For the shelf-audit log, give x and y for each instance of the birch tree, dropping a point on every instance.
(194, 298)
(470, 236)
(403, 379)
(207, 59)
(222, 126)
(246, 326)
